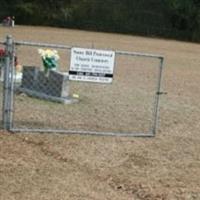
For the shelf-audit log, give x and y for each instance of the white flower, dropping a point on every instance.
(41, 52)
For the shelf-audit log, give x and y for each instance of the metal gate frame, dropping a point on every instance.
(8, 91)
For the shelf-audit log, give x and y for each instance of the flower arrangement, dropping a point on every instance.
(18, 67)
(2, 53)
(49, 58)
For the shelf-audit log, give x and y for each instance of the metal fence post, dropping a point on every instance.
(8, 84)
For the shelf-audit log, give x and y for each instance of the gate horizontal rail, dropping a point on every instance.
(83, 132)
(34, 44)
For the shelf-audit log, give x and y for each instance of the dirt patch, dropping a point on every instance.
(44, 166)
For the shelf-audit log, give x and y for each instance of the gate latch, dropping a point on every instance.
(161, 93)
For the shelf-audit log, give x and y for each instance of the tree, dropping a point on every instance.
(172, 18)
(185, 16)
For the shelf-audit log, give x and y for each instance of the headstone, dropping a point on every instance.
(29, 77)
(59, 83)
(53, 87)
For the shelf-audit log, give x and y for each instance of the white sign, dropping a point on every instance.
(91, 65)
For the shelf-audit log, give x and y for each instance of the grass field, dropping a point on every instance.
(79, 167)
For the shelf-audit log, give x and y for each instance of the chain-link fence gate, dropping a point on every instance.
(49, 102)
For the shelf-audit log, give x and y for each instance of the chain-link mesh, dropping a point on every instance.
(49, 101)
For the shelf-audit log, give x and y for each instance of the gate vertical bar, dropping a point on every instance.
(8, 84)
(11, 81)
(157, 98)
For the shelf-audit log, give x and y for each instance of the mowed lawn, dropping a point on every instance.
(77, 167)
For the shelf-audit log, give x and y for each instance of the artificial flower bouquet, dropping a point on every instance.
(49, 58)
(2, 53)
(2, 56)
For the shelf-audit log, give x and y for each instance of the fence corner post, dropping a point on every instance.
(8, 83)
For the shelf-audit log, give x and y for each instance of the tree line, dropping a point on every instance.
(178, 19)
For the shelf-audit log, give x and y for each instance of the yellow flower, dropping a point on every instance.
(48, 53)
(75, 96)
